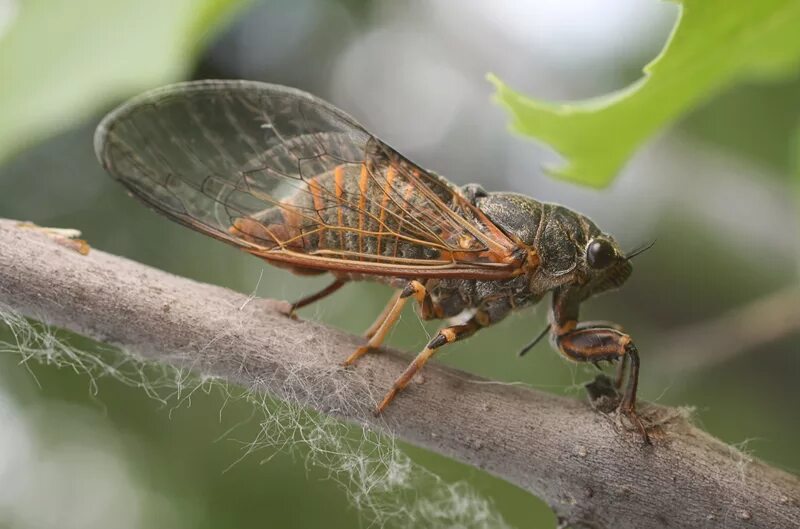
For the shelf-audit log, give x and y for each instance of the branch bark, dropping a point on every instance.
(590, 471)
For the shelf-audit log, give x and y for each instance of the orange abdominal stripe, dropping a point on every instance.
(254, 232)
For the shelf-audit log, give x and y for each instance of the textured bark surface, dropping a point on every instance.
(592, 472)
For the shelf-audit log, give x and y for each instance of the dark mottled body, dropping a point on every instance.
(554, 233)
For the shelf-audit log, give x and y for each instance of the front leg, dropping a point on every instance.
(595, 342)
(623, 363)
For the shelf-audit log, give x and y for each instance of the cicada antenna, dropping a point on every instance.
(640, 250)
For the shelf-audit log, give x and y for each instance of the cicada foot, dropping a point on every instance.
(629, 412)
(355, 355)
(605, 398)
(285, 308)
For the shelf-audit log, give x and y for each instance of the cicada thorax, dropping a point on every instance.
(362, 212)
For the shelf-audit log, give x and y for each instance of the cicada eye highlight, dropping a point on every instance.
(600, 253)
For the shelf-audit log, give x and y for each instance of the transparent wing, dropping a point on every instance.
(288, 177)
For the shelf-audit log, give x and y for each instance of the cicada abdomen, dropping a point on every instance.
(367, 212)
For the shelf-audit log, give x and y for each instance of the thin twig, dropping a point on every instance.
(744, 329)
(590, 470)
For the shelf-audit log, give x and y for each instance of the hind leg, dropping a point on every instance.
(370, 332)
(327, 291)
(413, 289)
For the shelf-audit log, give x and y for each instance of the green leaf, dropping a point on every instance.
(714, 43)
(63, 60)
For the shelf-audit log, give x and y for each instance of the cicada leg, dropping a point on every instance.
(413, 289)
(595, 342)
(327, 291)
(428, 311)
(444, 336)
(370, 332)
(619, 378)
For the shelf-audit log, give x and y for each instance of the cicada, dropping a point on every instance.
(302, 185)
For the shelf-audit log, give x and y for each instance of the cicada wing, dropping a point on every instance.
(209, 152)
(290, 177)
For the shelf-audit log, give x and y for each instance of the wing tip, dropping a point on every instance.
(101, 138)
(104, 128)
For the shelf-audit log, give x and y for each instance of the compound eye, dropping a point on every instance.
(600, 253)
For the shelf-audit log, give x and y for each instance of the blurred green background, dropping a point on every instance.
(718, 191)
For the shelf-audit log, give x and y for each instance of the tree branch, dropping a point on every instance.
(744, 329)
(591, 472)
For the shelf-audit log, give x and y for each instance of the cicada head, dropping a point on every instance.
(604, 265)
(594, 259)
(573, 245)
(571, 248)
